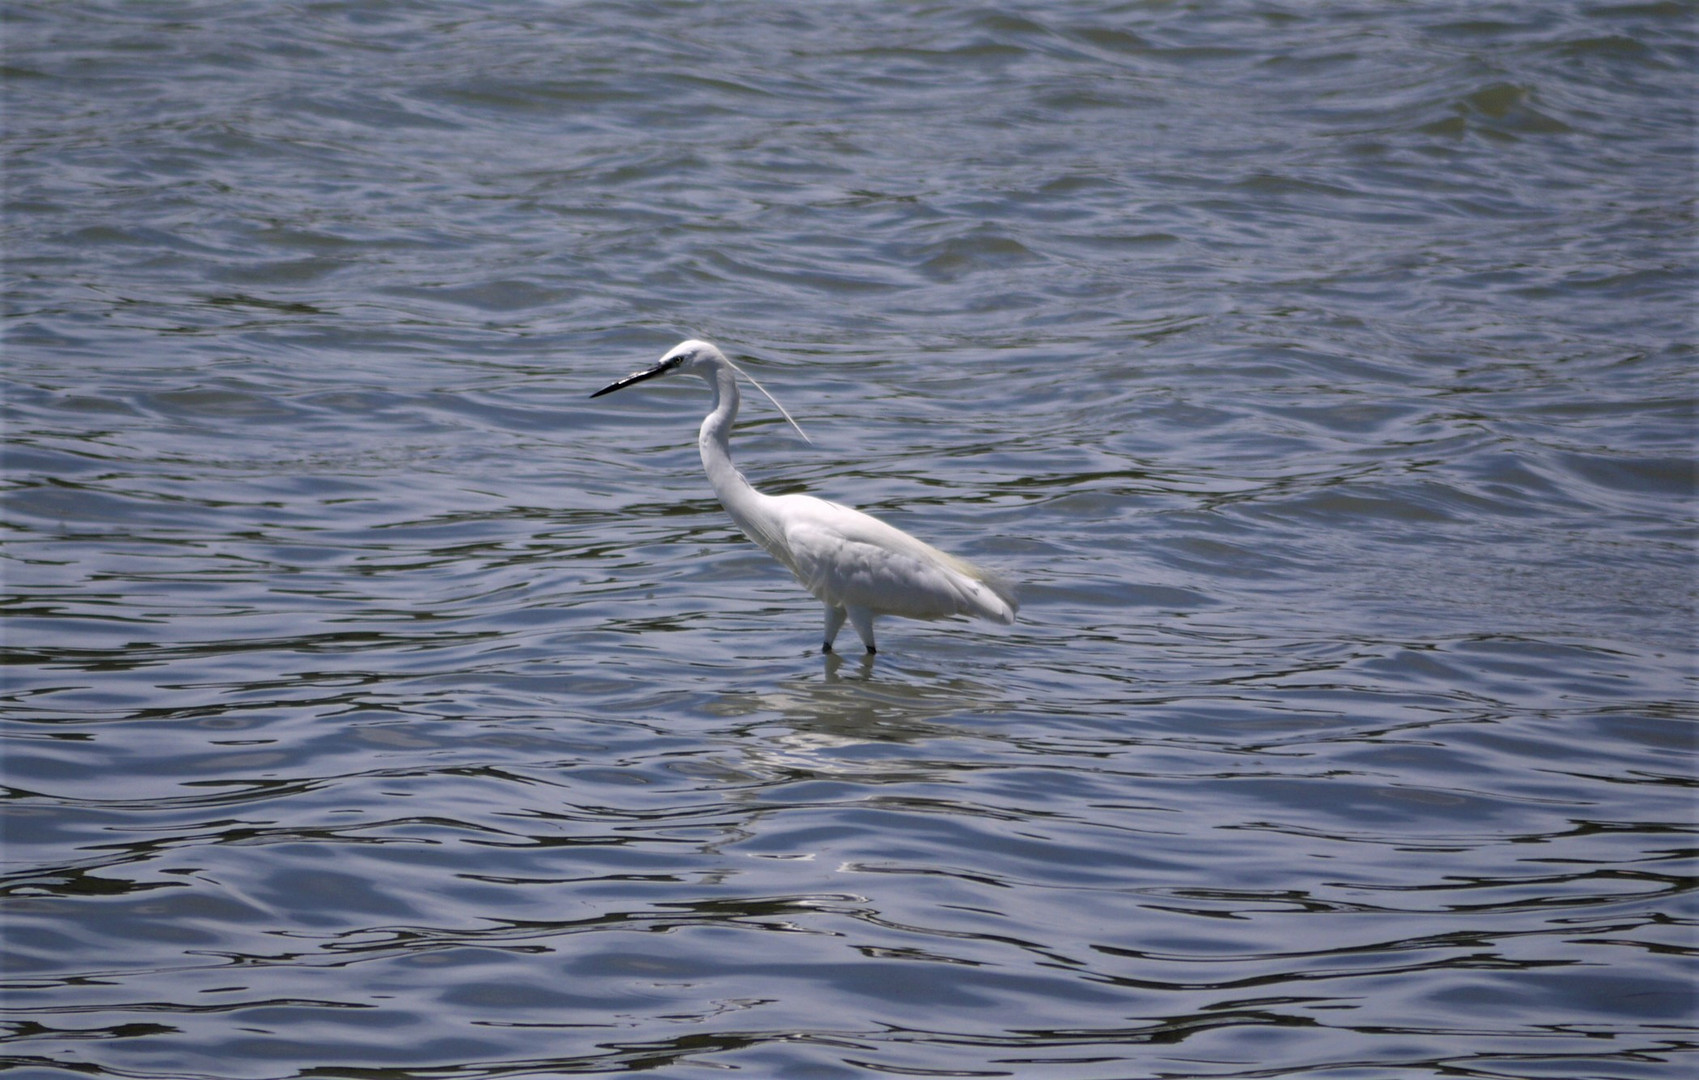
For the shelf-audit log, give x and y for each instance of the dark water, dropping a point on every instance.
(379, 706)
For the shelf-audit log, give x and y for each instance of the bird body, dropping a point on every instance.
(856, 565)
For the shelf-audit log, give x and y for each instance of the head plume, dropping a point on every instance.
(782, 410)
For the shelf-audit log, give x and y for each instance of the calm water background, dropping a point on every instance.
(378, 706)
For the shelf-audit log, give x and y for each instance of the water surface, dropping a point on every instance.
(377, 704)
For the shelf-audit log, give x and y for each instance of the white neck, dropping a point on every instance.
(747, 507)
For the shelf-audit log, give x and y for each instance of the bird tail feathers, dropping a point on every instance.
(986, 594)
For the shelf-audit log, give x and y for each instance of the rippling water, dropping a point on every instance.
(377, 705)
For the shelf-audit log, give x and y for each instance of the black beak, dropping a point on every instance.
(636, 377)
(631, 379)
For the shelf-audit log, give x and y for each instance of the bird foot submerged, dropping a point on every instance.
(829, 651)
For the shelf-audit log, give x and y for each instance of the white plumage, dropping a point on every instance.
(855, 565)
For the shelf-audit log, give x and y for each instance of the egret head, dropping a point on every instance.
(687, 357)
(696, 358)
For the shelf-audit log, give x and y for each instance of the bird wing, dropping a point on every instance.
(848, 558)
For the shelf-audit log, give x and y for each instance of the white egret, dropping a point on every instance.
(855, 564)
